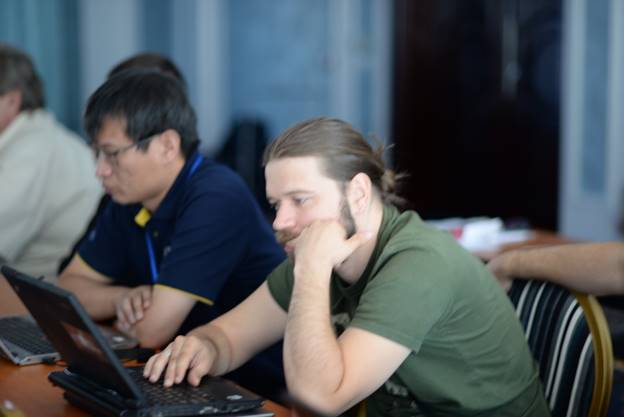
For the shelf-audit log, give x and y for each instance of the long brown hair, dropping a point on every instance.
(343, 151)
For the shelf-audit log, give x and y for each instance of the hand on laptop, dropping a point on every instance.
(131, 306)
(185, 353)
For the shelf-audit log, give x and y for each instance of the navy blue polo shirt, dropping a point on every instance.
(209, 239)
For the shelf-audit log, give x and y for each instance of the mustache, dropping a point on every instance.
(283, 236)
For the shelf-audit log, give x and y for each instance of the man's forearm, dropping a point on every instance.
(312, 357)
(153, 336)
(97, 298)
(596, 268)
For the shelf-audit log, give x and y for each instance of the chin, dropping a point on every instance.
(119, 199)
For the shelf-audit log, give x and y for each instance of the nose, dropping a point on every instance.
(103, 167)
(284, 218)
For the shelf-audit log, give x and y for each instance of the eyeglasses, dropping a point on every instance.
(111, 157)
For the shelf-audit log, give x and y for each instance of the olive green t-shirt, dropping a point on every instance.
(422, 290)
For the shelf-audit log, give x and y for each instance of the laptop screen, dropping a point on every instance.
(74, 334)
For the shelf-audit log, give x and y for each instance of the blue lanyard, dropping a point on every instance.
(152, 258)
(148, 240)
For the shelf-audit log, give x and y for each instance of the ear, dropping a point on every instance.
(170, 144)
(359, 192)
(13, 100)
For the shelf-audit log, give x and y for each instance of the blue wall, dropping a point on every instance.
(279, 62)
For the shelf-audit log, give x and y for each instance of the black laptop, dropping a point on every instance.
(95, 379)
(23, 343)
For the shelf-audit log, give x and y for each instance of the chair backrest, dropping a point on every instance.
(568, 335)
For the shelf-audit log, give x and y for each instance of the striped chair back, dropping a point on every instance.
(570, 341)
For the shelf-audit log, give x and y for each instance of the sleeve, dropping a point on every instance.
(103, 246)
(406, 298)
(209, 240)
(280, 283)
(24, 179)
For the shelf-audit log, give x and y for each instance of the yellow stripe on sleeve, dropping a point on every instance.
(190, 294)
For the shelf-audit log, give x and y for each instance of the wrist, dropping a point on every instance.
(304, 269)
(217, 348)
(506, 267)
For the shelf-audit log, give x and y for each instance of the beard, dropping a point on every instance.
(346, 220)
(285, 236)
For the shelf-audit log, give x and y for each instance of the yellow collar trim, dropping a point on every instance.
(142, 217)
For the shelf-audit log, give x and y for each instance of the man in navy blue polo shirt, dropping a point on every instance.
(183, 240)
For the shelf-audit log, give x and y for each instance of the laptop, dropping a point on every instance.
(96, 380)
(23, 343)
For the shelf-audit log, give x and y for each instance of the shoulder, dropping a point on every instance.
(37, 143)
(53, 141)
(218, 186)
(413, 251)
(212, 176)
(406, 234)
(41, 124)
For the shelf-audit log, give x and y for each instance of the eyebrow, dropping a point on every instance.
(105, 144)
(290, 194)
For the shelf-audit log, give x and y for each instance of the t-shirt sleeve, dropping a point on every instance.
(208, 242)
(101, 248)
(280, 283)
(406, 298)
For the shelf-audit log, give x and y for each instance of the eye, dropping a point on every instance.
(274, 205)
(299, 201)
(107, 153)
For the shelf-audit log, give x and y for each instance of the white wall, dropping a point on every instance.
(351, 55)
(197, 39)
(590, 209)
(110, 31)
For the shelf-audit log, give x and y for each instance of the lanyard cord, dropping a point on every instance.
(148, 240)
(152, 258)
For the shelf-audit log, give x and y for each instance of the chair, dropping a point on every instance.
(569, 338)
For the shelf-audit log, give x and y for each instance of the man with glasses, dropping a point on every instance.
(47, 187)
(183, 239)
(143, 60)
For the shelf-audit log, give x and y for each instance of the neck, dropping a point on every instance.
(168, 178)
(353, 267)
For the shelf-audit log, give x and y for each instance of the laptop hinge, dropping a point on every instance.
(107, 394)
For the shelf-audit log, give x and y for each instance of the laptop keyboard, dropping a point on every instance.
(156, 394)
(25, 334)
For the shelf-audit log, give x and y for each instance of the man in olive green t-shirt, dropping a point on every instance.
(372, 303)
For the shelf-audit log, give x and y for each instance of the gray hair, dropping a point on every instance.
(17, 72)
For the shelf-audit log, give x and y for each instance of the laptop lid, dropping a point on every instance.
(73, 333)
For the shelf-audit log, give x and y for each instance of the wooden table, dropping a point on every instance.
(28, 387)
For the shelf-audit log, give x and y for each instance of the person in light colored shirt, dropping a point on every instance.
(48, 188)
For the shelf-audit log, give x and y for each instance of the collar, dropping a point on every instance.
(167, 208)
